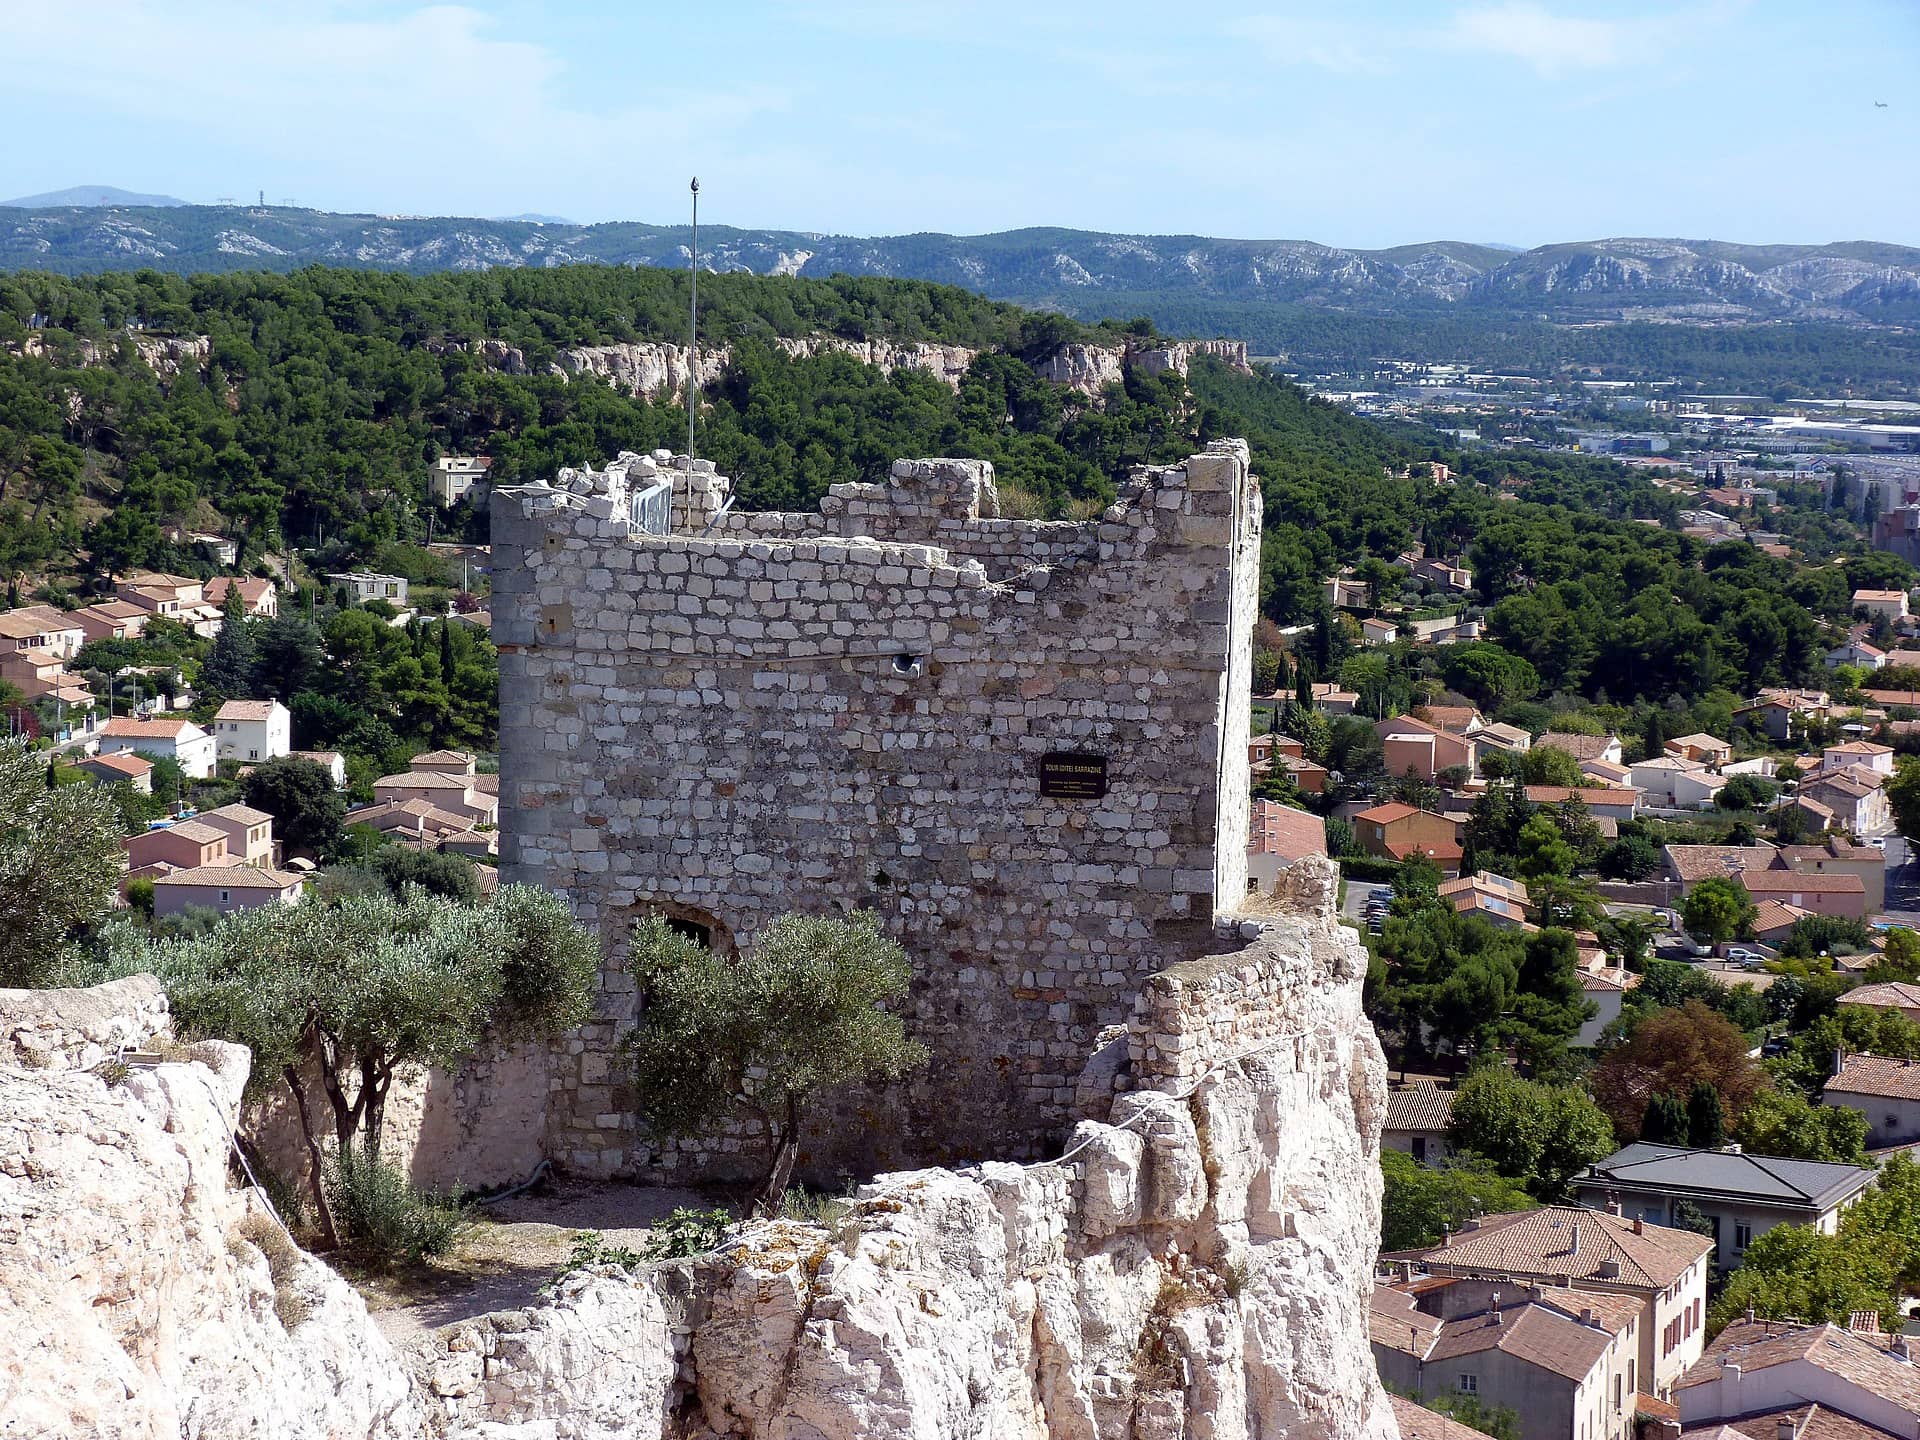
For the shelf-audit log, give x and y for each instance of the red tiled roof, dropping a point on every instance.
(1543, 1243)
(233, 877)
(1386, 814)
(1878, 1075)
(124, 729)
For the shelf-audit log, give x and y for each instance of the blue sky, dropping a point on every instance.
(1350, 122)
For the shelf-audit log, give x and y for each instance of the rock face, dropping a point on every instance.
(657, 369)
(165, 355)
(140, 1294)
(1195, 1265)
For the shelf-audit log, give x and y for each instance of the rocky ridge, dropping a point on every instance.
(1196, 1264)
(1617, 277)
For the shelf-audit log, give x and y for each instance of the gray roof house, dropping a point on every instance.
(1739, 1196)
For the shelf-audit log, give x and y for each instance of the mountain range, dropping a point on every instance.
(1086, 273)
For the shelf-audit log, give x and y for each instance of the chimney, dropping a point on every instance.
(1613, 1206)
(1839, 1059)
(1494, 1314)
(1587, 1316)
(1446, 1236)
(1639, 1225)
(1898, 1349)
(1783, 1428)
(1574, 1249)
(1748, 1317)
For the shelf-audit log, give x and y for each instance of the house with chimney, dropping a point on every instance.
(1662, 1271)
(1741, 1196)
(1883, 1088)
(1564, 1362)
(1786, 1380)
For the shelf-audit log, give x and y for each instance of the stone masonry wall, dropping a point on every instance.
(848, 710)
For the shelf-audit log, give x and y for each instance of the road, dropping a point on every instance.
(1903, 883)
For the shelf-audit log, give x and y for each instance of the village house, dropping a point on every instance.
(181, 845)
(1773, 921)
(453, 476)
(1499, 901)
(1266, 753)
(1415, 747)
(1780, 713)
(1837, 857)
(170, 597)
(1690, 864)
(1709, 750)
(1444, 575)
(112, 620)
(259, 598)
(1374, 631)
(1498, 735)
(1280, 836)
(1572, 1248)
(1604, 803)
(1784, 1380)
(41, 629)
(1742, 1196)
(1890, 603)
(1566, 1368)
(1395, 831)
(1418, 1118)
(1896, 995)
(122, 768)
(253, 730)
(1857, 754)
(180, 741)
(1659, 779)
(224, 888)
(249, 833)
(1855, 797)
(1454, 719)
(1417, 1422)
(453, 794)
(1823, 893)
(1856, 652)
(1583, 747)
(1606, 989)
(1329, 697)
(362, 586)
(1883, 1088)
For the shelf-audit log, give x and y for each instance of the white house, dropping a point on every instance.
(1696, 789)
(364, 585)
(1890, 603)
(454, 475)
(1856, 652)
(253, 730)
(180, 741)
(1658, 778)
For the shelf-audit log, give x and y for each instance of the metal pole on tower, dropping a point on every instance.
(693, 324)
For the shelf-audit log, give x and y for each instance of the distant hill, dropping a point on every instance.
(92, 196)
(1082, 272)
(534, 217)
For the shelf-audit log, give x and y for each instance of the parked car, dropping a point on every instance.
(1751, 959)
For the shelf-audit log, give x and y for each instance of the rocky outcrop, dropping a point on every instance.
(658, 369)
(141, 1294)
(1194, 1266)
(165, 355)
(1091, 368)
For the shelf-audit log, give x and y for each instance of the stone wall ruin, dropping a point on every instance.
(850, 709)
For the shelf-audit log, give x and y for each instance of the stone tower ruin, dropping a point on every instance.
(1021, 743)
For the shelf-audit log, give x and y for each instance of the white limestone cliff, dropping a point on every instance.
(1195, 1266)
(133, 1302)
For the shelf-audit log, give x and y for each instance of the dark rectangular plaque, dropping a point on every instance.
(1073, 775)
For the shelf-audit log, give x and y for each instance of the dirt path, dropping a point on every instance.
(512, 1249)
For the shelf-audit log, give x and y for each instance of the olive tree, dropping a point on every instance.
(60, 859)
(758, 1035)
(369, 988)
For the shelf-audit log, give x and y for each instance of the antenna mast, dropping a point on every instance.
(693, 325)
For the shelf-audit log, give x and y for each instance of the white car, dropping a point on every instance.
(1748, 958)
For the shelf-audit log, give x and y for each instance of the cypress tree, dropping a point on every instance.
(1706, 1125)
(228, 672)
(1666, 1121)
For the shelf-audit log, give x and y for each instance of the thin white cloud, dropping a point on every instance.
(1349, 45)
(1551, 44)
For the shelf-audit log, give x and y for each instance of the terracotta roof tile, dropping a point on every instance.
(233, 877)
(1541, 1243)
(1881, 1076)
(1425, 1108)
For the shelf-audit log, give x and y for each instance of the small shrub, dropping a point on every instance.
(261, 1232)
(687, 1232)
(384, 1216)
(114, 1072)
(815, 1208)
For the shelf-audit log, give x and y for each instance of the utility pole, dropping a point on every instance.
(693, 326)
